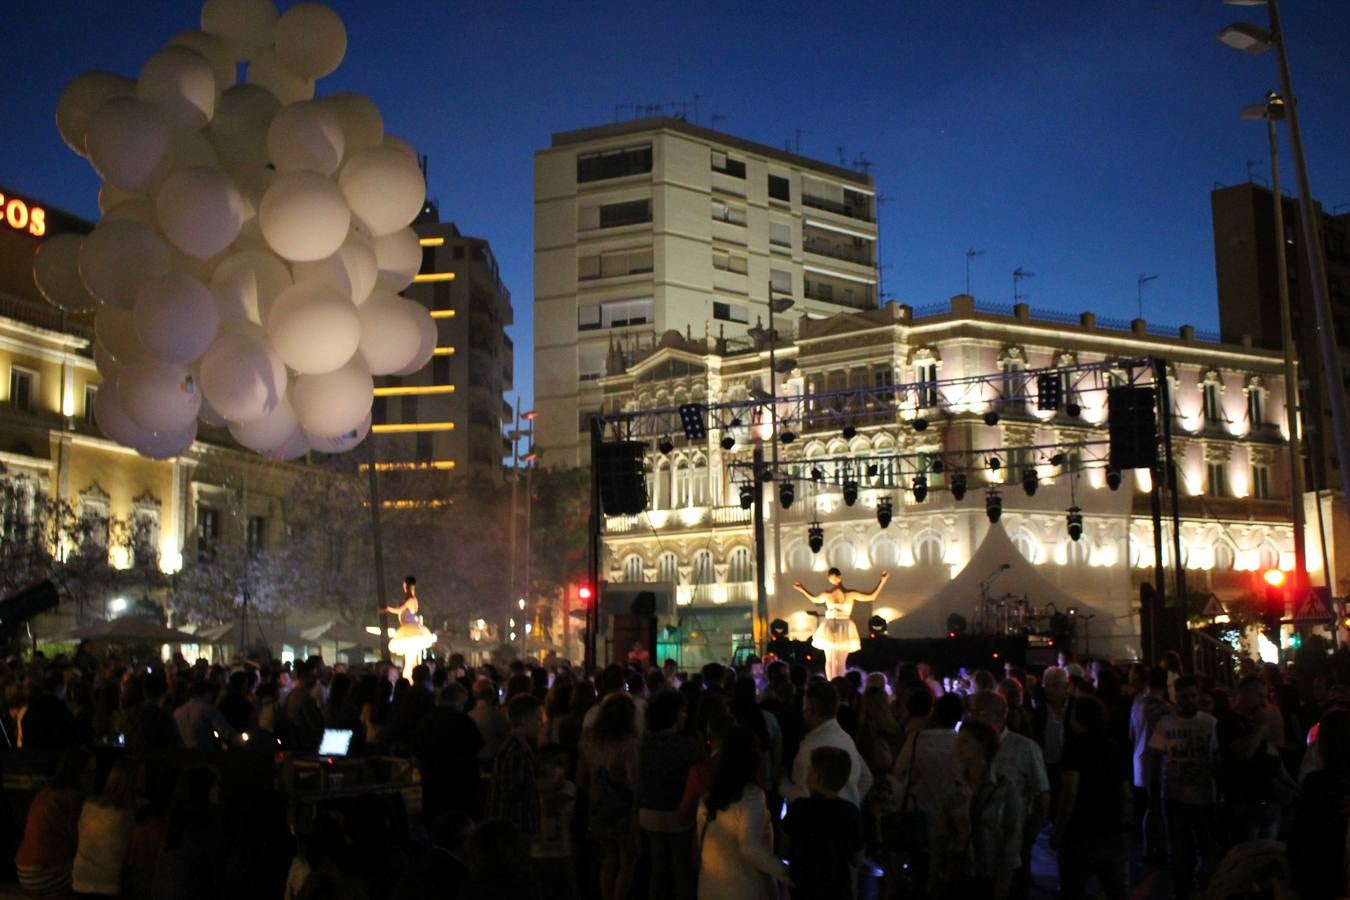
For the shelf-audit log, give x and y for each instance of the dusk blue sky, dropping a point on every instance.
(1077, 138)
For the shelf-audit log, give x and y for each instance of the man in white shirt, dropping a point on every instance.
(818, 712)
(1020, 763)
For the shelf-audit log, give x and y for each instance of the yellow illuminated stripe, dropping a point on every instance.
(431, 241)
(434, 276)
(443, 351)
(406, 427)
(443, 465)
(414, 390)
(442, 313)
(414, 504)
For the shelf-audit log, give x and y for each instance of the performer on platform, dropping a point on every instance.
(412, 636)
(837, 636)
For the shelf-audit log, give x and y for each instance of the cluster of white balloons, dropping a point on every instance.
(253, 241)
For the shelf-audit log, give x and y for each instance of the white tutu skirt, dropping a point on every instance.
(837, 634)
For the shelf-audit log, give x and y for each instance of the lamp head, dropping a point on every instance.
(815, 537)
(884, 512)
(1246, 37)
(780, 304)
(747, 495)
(920, 488)
(850, 492)
(786, 493)
(959, 486)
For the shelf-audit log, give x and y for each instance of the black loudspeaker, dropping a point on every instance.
(623, 488)
(644, 604)
(25, 603)
(1133, 427)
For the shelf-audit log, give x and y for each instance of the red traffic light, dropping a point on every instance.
(1273, 577)
(584, 592)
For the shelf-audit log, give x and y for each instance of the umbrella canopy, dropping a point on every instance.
(341, 633)
(130, 629)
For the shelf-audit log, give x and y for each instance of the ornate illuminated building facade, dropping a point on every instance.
(939, 377)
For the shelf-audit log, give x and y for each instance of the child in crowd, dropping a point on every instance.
(552, 848)
(824, 831)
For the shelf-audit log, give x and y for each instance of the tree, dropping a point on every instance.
(559, 536)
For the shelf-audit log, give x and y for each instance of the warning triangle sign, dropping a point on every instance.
(1213, 607)
(1314, 608)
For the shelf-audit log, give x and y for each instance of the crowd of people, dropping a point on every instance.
(760, 781)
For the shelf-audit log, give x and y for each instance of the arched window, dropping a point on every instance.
(799, 557)
(632, 568)
(840, 555)
(1268, 556)
(658, 488)
(885, 552)
(1224, 556)
(703, 568)
(668, 568)
(928, 549)
(682, 496)
(1078, 552)
(1027, 545)
(698, 483)
(740, 566)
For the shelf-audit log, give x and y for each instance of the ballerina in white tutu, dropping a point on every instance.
(412, 636)
(837, 636)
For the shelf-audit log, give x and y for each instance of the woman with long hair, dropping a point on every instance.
(105, 831)
(735, 835)
(608, 772)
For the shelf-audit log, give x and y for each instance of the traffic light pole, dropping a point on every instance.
(593, 559)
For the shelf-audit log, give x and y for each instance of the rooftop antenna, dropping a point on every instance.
(1020, 274)
(797, 140)
(697, 97)
(862, 164)
(840, 148)
(717, 119)
(1140, 282)
(970, 255)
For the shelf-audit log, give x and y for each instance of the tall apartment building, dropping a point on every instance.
(449, 415)
(1246, 265)
(656, 225)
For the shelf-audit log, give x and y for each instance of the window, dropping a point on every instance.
(1010, 386)
(925, 377)
(614, 215)
(1256, 406)
(727, 165)
(840, 555)
(1260, 481)
(1212, 408)
(614, 265)
(632, 569)
(780, 234)
(730, 312)
(703, 568)
(740, 566)
(22, 388)
(614, 314)
(208, 532)
(257, 535)
(799, 557)
(95, 515)
(722, 212)
(780, 282)
(90, 392)
(698, 484)
(1026, 545)
(668, 568)
(729, 262)
(1078, 553)
(780, 188)
(885, 553)
(1217, 481)
(928, 549)
(883, 377)
(634, 160)
(1225, 558)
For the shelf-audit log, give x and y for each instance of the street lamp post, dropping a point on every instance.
(1272, 111)
(515, 435)
(1254, 40)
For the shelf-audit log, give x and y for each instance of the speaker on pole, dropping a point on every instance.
(1133, 427)
(623, 486)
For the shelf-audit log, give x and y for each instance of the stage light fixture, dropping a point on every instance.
(728, 442)
(766, 475)
(959, 486)
(736, 422)
(665, 446)
(884, 512)
(1030, 480)
(1057, 460)
(747, 495)
(1113, 479)
(850, 492)
(920, 488)
(849, 432)
(876, 626)
(786, 493)
(1073, 410)
(817, 474)
(991, 418)
(778, 629)
(815, 537)
(691, 419)
(994, 463)
(1075, 522)
(936, 466)
(993, 506)
(787, 435)
(920, 424)
(872, 470)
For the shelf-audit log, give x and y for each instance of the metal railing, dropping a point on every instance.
(836, 251)
(862, 214)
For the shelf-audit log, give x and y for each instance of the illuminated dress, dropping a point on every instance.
(837, 633)
(412, 637)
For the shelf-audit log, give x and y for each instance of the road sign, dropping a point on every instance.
(1314, 608)
(1213, 607)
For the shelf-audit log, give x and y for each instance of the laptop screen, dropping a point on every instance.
(336, 742)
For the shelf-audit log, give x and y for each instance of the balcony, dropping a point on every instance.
(850, 294)
(853, 250)
(861, 211)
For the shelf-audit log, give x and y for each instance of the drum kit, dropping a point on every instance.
(1010, 614)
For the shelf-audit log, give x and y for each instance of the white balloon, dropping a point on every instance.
(247, 282)
(393, 142)
(119, 256)
(239, 129)
(168, 444)
(425, 350)
(384, 189)
(214, 50)
(136, 209)
(187, 150)
(351, 271)
(305, 136)
(399, 258)
(116, 331)
(269, 431)
(342, 442)
(266, 71)
(181, 82)
(362, 123)
(127, 140)
(109, 196)
(242, 378)
(175, 318)
(200, 211)
(158, 397)
(303, 216)
(81, 98)
(335, 402)
(56, 272)
(207, 415)
(112, 418)
(313, 328)
(295, 446)
(391, 332)
(311, 40)
(245, 25)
